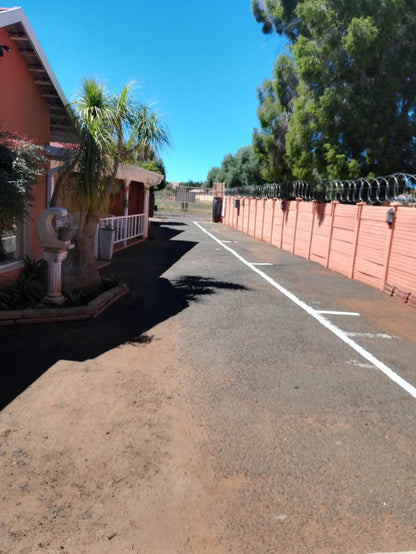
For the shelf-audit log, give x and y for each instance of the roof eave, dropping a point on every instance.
(17, 15)
(138, 174)
(60, 131)
(125, 171)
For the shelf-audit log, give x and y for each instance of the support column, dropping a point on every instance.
(54, 259)
(358, 217)
(50, 184)
(314, 205)
(334, 204)
(146, 212)
(388, 245)
(284, 206)
(271, 229)
(264, 213)
(295, 230)
(125, 208)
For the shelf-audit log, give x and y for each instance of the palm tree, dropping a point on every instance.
(112, 129)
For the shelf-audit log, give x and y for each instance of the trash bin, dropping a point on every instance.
(106, 243)
(216, 209)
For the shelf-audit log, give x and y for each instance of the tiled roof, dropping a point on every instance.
(65, 145)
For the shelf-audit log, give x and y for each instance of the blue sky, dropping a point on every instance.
(197, 61)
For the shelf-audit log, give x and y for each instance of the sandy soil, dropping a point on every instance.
(103, 456)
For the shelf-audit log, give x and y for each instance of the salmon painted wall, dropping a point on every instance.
(136, 197)
(136, 200)
(352, 240)
(116, 206)
(23, 108)
(24, 111)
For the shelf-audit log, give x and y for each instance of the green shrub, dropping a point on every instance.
(28, 290)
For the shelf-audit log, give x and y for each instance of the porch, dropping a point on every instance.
(128, 230)
(129, 208)
(128, 211)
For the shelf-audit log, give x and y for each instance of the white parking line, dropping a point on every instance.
(322, 320)
(330, 312)
(261, 263)
(369, 335)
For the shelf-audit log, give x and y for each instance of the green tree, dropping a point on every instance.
(21, 164)
(214, 176)
(276, 97)
(155, 164)
(355, 62)
(112, 129)
(240, 170)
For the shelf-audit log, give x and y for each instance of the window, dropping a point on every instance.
(11, 247)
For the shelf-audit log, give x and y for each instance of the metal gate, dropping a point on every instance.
(185, 199)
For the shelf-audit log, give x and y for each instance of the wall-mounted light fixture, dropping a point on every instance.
(5, 48)
(390, 216)
(283, 205)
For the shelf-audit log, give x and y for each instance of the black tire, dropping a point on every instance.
(216, 210)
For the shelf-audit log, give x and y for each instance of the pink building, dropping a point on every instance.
(33, 106)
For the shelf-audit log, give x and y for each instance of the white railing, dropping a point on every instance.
(126, 227)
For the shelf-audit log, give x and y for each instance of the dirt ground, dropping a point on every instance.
(105, 456)
(101, 456)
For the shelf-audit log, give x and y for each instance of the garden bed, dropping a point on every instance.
(44, 314)
(22, 301)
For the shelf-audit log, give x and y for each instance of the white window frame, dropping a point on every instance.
(17, 262)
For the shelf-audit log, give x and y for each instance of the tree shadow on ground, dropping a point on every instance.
(193, 286)
(28, 351)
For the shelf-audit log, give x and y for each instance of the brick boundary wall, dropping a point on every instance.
(354, 240)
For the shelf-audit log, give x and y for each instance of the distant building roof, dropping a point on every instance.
(26, 43)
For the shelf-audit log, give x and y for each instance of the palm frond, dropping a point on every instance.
(112, 129)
